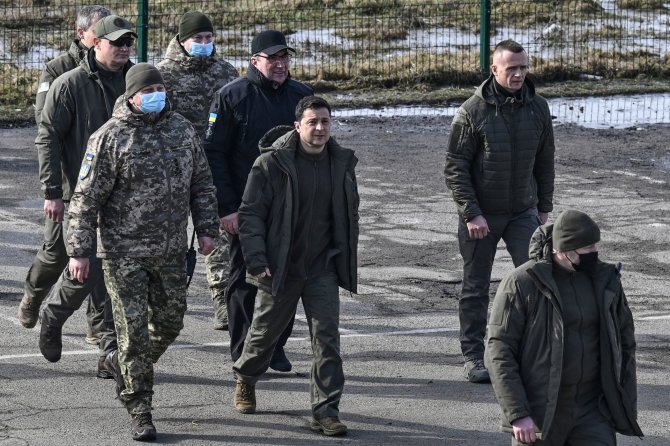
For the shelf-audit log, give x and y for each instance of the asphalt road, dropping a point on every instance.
(399, 345)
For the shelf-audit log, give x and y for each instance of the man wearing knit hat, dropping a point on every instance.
(193, 73)
(561, 342)
(159, 153)
(77, 104)
(241, 113)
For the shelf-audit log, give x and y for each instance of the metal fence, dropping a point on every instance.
(370, 43)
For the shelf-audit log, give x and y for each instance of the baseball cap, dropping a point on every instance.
(269, 42)
(112, 27)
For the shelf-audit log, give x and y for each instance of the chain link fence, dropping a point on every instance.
(351, 44)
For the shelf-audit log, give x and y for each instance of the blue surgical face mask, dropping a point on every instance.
(201, 49)
(152, 102)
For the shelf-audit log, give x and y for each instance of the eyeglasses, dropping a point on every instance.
(122, 41)
(286, 58)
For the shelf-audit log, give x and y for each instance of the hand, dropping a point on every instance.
(265, 273)
(229, 223)
(524, 430)
(477, 227)
(205, 245)
(544, 217)
(54, 209)
(78, 267)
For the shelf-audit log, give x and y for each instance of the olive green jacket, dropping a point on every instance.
(54, 68)
(524, 353)
(268, 213)
(76, 106)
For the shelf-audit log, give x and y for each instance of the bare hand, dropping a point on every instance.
(229, 223)
(54, 209)
(205, 245)
(265, 273)
(478, 227)
(524, 430)
(78, 267)
(544, 217)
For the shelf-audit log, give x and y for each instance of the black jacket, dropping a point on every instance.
(241, 113)
(269, 211)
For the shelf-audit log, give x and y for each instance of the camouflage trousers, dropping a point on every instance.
(148, 301)
(218, 264)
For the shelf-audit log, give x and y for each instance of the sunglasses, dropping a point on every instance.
(122, 41)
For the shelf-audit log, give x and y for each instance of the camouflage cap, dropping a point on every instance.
(112, 27)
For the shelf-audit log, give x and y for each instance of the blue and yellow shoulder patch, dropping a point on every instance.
(86, 166)
(212, 118)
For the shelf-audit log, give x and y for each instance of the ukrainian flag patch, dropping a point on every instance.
(212, 118)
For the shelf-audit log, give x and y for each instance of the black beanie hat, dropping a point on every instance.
(140, 76)
(194, 22)
(573, 230)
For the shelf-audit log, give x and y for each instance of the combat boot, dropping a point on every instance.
(475, 371)
(29, 310)
(142, 427)
(113, 359)
(331, 426)
(279, 361)
(245, 398)
(106, 367)
(51, 344)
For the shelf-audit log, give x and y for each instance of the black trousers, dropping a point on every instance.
(241, 299)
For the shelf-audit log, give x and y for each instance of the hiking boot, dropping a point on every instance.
(331, 426)
(106, 367)
(29, 310)
(51, 344)
(142, 427)
(245, 398)
(279, 361)
(93, 338)
(475, 371)
(220, 314)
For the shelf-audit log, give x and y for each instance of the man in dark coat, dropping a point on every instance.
(561, 347)
(500, 169)
(299, 235)
(241, 113)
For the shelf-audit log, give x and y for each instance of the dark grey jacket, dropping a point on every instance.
(75, 107)
(267, 214)
(500, 157)
(525, 353)
(54, 68)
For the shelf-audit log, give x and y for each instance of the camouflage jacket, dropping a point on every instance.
(192, 81)
(54, 68)
(140, 177)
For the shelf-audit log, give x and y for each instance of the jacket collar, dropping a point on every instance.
(263, 82)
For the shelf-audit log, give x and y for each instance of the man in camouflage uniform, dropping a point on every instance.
(193, 73)
(51, 258)
(77, 104)
(143, 172)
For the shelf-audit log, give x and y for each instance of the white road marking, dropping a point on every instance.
(345, 334)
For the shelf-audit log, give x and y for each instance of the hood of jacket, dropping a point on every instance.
(178, 54)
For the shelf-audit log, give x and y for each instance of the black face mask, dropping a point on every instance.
(587, 262)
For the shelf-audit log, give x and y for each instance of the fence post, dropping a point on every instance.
(485, 37)
(142, 29)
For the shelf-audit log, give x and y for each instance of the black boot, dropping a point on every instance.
(142, 427)
(279, 361)
(51, 344)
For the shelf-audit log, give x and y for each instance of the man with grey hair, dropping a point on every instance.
(51, 258)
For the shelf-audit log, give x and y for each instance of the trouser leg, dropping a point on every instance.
(478, 255)
(149, 301)
(240, 297)
(48, 264)
(321, 301)
(271, 317)
(217, 265)
(518, 232)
